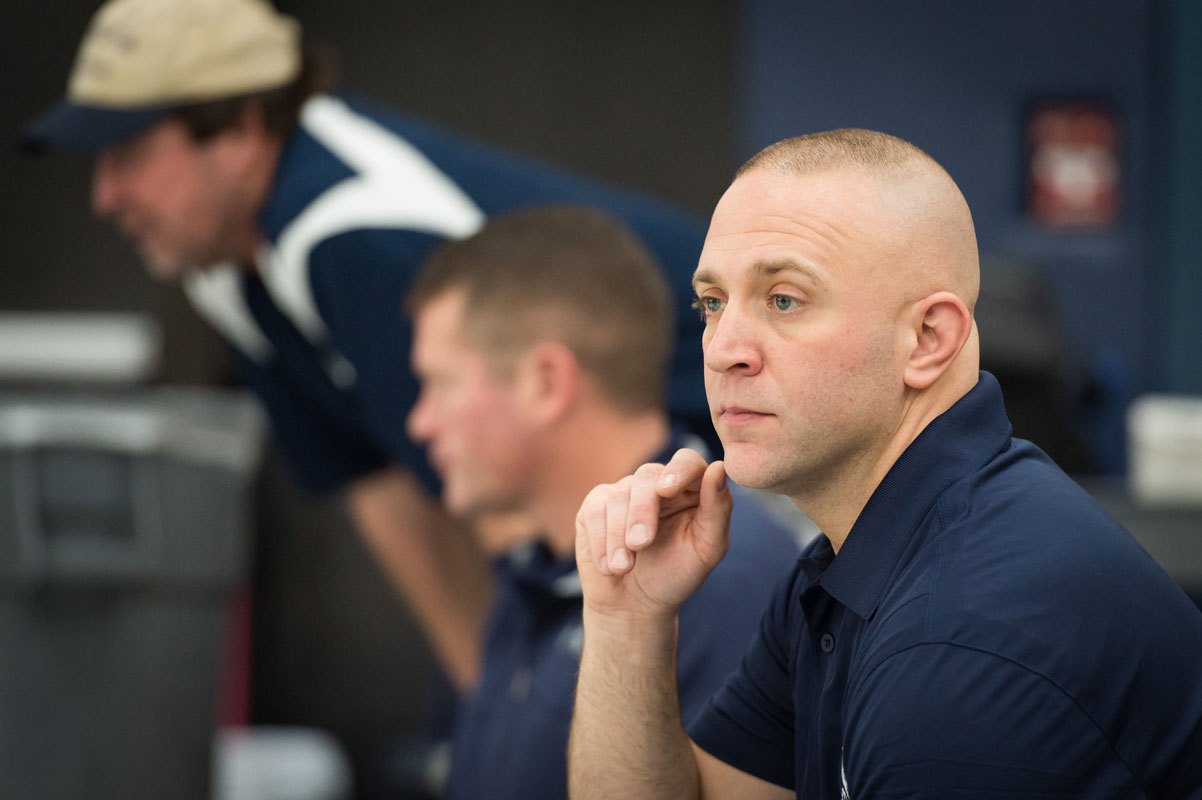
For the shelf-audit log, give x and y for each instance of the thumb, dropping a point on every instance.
(713, 514)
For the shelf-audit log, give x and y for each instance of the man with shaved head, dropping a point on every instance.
(970, 624)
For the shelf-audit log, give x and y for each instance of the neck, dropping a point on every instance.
(593, 446)
(835, 505)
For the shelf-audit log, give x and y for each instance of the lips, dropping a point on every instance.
(739, 415)
(437, 462)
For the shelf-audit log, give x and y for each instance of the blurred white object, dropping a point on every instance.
(90, 346)
(279, 763)
(784, 511)
(1165, 444)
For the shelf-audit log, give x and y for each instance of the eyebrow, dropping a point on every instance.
(762, 269)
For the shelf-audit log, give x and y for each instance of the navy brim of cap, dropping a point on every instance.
(75, 128)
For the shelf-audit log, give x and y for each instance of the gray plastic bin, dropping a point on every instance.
(124, 525)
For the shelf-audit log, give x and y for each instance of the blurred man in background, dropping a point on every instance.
(541, 344)
(295, 220)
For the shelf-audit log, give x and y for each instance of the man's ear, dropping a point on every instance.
(548, 377)
(941, 325)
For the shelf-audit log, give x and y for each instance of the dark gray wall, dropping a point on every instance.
(633, 92)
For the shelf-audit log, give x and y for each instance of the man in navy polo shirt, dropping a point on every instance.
(541, 343)
(972, 624)
(296, 219)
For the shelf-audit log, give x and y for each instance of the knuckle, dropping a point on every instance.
(648, 471)
(595, 496)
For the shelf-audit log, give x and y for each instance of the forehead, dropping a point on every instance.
(438, 324)
(818, 222)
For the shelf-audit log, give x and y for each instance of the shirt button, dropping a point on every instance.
(827, 642)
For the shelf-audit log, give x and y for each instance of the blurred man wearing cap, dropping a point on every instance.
(295, 220)
(541, 343)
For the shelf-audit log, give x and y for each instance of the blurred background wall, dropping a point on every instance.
(669, 97)
(962, 80)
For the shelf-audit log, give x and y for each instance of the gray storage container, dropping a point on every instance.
(125, 523)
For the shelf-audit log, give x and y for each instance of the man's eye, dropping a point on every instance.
(784, 302)
(707, 306)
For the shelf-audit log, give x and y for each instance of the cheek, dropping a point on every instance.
(710, 377)
(198, 203)
(463, 427)
(484, 425)
(476, 438)
(843, 371)
(869, 375)
(512, 445)
(186, 195)
(166, 173)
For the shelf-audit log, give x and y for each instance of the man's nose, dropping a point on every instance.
(733, 343)
(418, 422)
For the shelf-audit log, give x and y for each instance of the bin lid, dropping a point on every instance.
(222, 427)
(96, 347)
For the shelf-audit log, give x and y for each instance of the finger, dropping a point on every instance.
(712, 523)
(618, 558)
(683, 471)
(590, 530)
(642, 520)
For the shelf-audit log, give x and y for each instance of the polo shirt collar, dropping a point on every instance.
(301, 174)
(533, 567)
(954, 444)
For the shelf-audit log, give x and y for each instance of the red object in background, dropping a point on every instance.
(233, 686)
(1073, 173)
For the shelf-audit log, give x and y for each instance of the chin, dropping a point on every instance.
(456, 504)
(469, 505)
(742, 473)
(162, 268)
(741, 463)
(753, 472)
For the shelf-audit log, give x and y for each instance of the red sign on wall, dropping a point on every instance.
(1073, 172)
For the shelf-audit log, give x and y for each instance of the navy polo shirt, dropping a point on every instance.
(986, 630)
(360, 199)
(511, 733)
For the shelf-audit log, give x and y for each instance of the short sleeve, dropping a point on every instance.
(749, 723)
(943, 721)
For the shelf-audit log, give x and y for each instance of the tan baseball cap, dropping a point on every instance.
(139, 59)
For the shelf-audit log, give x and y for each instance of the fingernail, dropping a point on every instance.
(621, 558)
(668, 479)
(603, 566)
(638, 535)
